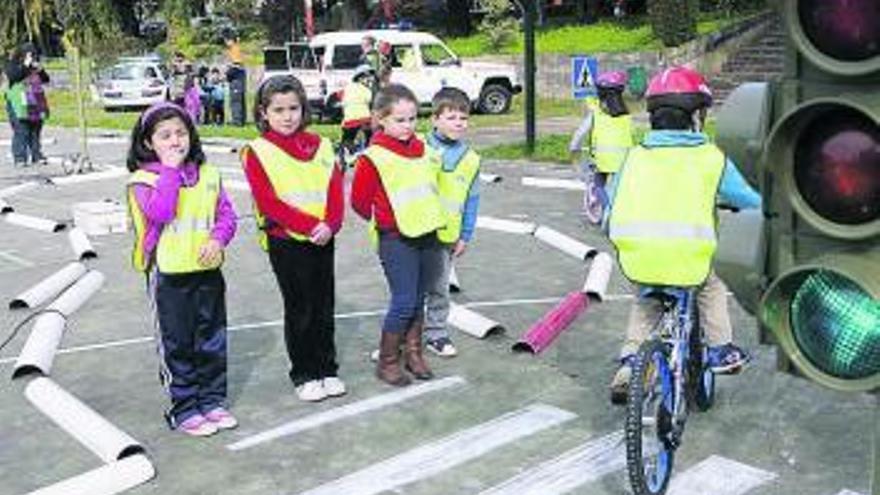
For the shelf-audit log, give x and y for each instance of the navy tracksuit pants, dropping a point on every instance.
(190, 312)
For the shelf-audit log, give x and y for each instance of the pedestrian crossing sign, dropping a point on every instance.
(584, 71)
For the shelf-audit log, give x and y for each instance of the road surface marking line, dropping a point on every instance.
(346, 411)
(445, 453)
(719, 476)
(15, 259)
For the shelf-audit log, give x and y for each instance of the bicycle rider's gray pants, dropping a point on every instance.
(712, 306)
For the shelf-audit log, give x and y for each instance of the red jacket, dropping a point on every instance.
(302, 146)
(368, 196)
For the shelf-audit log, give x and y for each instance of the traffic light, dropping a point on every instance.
(811, 143)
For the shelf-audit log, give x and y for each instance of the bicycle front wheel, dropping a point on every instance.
(649, 454)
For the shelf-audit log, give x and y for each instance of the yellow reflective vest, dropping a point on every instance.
(301, 184)
(411, 186)
(662, 221)
(454, 187)
(610, 139)
(180, 241)
(356, 102)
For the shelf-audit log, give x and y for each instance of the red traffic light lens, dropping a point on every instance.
(837, 167)
(847, 30)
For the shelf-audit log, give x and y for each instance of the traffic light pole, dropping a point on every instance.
(529, 34)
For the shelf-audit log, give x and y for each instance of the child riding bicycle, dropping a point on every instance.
(662, 217)
(356, 99)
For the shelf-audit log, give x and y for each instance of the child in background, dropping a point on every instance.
(183, 220)
(217, 98)
(395, 188)
(356, 99)
(460, 191)
(192, 100)
(297, 190)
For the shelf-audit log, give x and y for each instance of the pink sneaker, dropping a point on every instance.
(197, 426)
(222, 419)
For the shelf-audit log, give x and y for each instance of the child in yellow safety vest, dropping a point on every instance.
(356, 99)
(298, 196)
(395, 188)
(182, 220)
(460, 195)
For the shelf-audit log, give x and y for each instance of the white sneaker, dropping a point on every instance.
(311, 391)
(374, 356)
(333, 386)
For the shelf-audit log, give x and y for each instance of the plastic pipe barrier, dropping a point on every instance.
(49, 287)
(472, 322)
(109, 479)
(454, 286)
(5, 207)
(110, 173)
(39, 351)
(34, 222)
(509, 226)
(89, 428)
(81, 245)
(77, 294)
(598, 276)
(570, 184)
(9, 191)
(564, 243)
(490, 178)
(545, 331)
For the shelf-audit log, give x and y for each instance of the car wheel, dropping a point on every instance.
(495, 99)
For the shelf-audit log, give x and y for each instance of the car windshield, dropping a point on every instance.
(436, 54)
(301, 57)
(131, 72)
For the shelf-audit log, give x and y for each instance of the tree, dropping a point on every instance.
(278, 16)
(458, 20)
(674, 21)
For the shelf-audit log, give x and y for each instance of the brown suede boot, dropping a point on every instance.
(415, 361)
(388, 368)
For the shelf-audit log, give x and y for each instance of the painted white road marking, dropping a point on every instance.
(346, 411)
(568, 471)
(438, 456)
(719, 476)
(8, 256)
(848, 492)
(570, 184)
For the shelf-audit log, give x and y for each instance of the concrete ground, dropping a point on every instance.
(786, 435)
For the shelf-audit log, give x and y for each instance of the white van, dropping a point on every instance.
(325, 65)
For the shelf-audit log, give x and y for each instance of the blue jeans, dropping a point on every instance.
(25, 138)
(411, 267)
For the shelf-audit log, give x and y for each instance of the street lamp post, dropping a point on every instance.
(529, 28)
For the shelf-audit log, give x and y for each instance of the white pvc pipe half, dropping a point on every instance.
(598, 276)
(454, 285)
(9, 191)
(77, 294)
(32, 222)
(564, 243)
(110, 479)
(39, 350)
(472, 322)
(89, 428)
(5, 207)
(502, 225)
(49, 287)
(81, 245)
(490, 178)
(110, 173)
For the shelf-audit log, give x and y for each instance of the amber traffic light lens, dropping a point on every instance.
(837, 167)
(847, 30)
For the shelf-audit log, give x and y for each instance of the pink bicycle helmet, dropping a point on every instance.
(612, 80)
(678, 87)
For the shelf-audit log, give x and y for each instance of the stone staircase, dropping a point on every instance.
(760, 60)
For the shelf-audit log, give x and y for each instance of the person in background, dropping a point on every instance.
(192, 100)
(216, 98)
(369, 54)
(26, 104)
(236, 76)
(356, 99)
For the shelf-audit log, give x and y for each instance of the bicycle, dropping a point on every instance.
(670, 378)
(595, 198)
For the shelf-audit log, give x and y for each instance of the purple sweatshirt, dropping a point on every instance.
(159, 204)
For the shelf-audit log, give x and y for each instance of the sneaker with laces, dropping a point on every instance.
(197, 426)
(222, 419)
(442, 347)
(727, 359)
(333, 386)
(311, 391)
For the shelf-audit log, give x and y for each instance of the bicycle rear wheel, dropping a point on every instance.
(701, 379)
(649, 454)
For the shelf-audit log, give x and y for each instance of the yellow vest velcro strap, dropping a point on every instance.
(662, 230)
(299, 198)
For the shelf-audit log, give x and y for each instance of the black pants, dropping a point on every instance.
(25, 138)
(237, 106)
(191, 314)
(305, 274)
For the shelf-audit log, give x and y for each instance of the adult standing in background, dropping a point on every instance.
(180, 69)
(26, 104)
(236, 76)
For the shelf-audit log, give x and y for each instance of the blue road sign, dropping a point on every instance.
(584, 71)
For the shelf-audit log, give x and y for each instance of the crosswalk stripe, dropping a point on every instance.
(719, 476)
(435, 457)
(568, 471)
(848, 492)
(346, 411)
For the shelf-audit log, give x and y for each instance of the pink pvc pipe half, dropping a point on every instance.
(545, 331)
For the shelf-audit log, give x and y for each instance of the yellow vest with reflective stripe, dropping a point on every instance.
(356, 102)
(301, 184)
(411, 186)
(610, 139)
(180, 240)
(454, 187)
(663, 217)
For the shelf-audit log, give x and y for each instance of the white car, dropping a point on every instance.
(132, 84)
(325, 64)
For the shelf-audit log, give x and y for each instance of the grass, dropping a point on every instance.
(607, 36)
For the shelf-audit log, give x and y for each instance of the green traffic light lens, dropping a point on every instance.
(836, 325)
